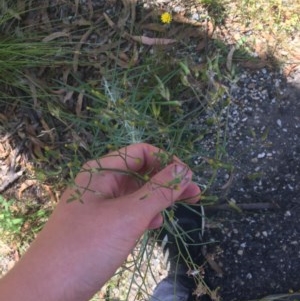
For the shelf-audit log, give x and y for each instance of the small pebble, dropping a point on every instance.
(240, 252)
(279, 123)
(195, 16)
(262, 155)
(288, 213)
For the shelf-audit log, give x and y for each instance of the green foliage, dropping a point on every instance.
(10, 221)
(216, 9)
(20, 222)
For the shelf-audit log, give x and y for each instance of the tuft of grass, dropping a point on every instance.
(216, 10)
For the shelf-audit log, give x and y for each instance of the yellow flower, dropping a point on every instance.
(166, 18)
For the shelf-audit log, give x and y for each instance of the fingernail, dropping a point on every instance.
(178, 169)
(181, 171)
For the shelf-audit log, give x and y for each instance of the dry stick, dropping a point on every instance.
(247, 206)
(9, 179)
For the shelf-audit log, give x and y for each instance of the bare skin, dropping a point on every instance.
(88, 238)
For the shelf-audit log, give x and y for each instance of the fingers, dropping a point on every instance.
(156, 222)
(164, 189)
(140, 158)
(191, 195)
(136, 157)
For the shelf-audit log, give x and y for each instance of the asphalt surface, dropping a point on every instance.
(258, 250)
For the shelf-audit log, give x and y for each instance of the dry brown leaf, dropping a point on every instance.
(53, 197)
(55, 35)
(175, 31)
(128, 9)
(79, 140)
(78, 46)
(153, 41)
(59, 92)
(91, 9)
(182, 19)
(37, 151)
(44, 15)
(289, 69)
(66, 73)
(25, 185)
(229, 58)
(36, 141)
(135, 57)
(68, 96)
(184, 34)
(119, 62)
(81, 22)
(76, 7)
(123, 56)
(201, 45)
(261, 48)
(48, 130)
(125, 13)
(106, 47)
(16, 255)
(3, 118)
(254, 64)
(150, 14)
(29, 128)
(133, 14)
(209, 26)
(154, 26)
(109, 21)
(193, 32)
(32, 90)
(214, 265)
(5, 150)
(79, 103)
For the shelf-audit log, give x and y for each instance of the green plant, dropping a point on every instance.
(10, 220)
(87, 111)
(216, 9)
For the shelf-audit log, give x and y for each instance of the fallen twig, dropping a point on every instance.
(246, 206)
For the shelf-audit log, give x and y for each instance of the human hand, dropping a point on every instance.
(99, 220)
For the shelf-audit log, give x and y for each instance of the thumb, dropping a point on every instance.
(163, 189)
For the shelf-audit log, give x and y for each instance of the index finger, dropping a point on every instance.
(135, 157)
